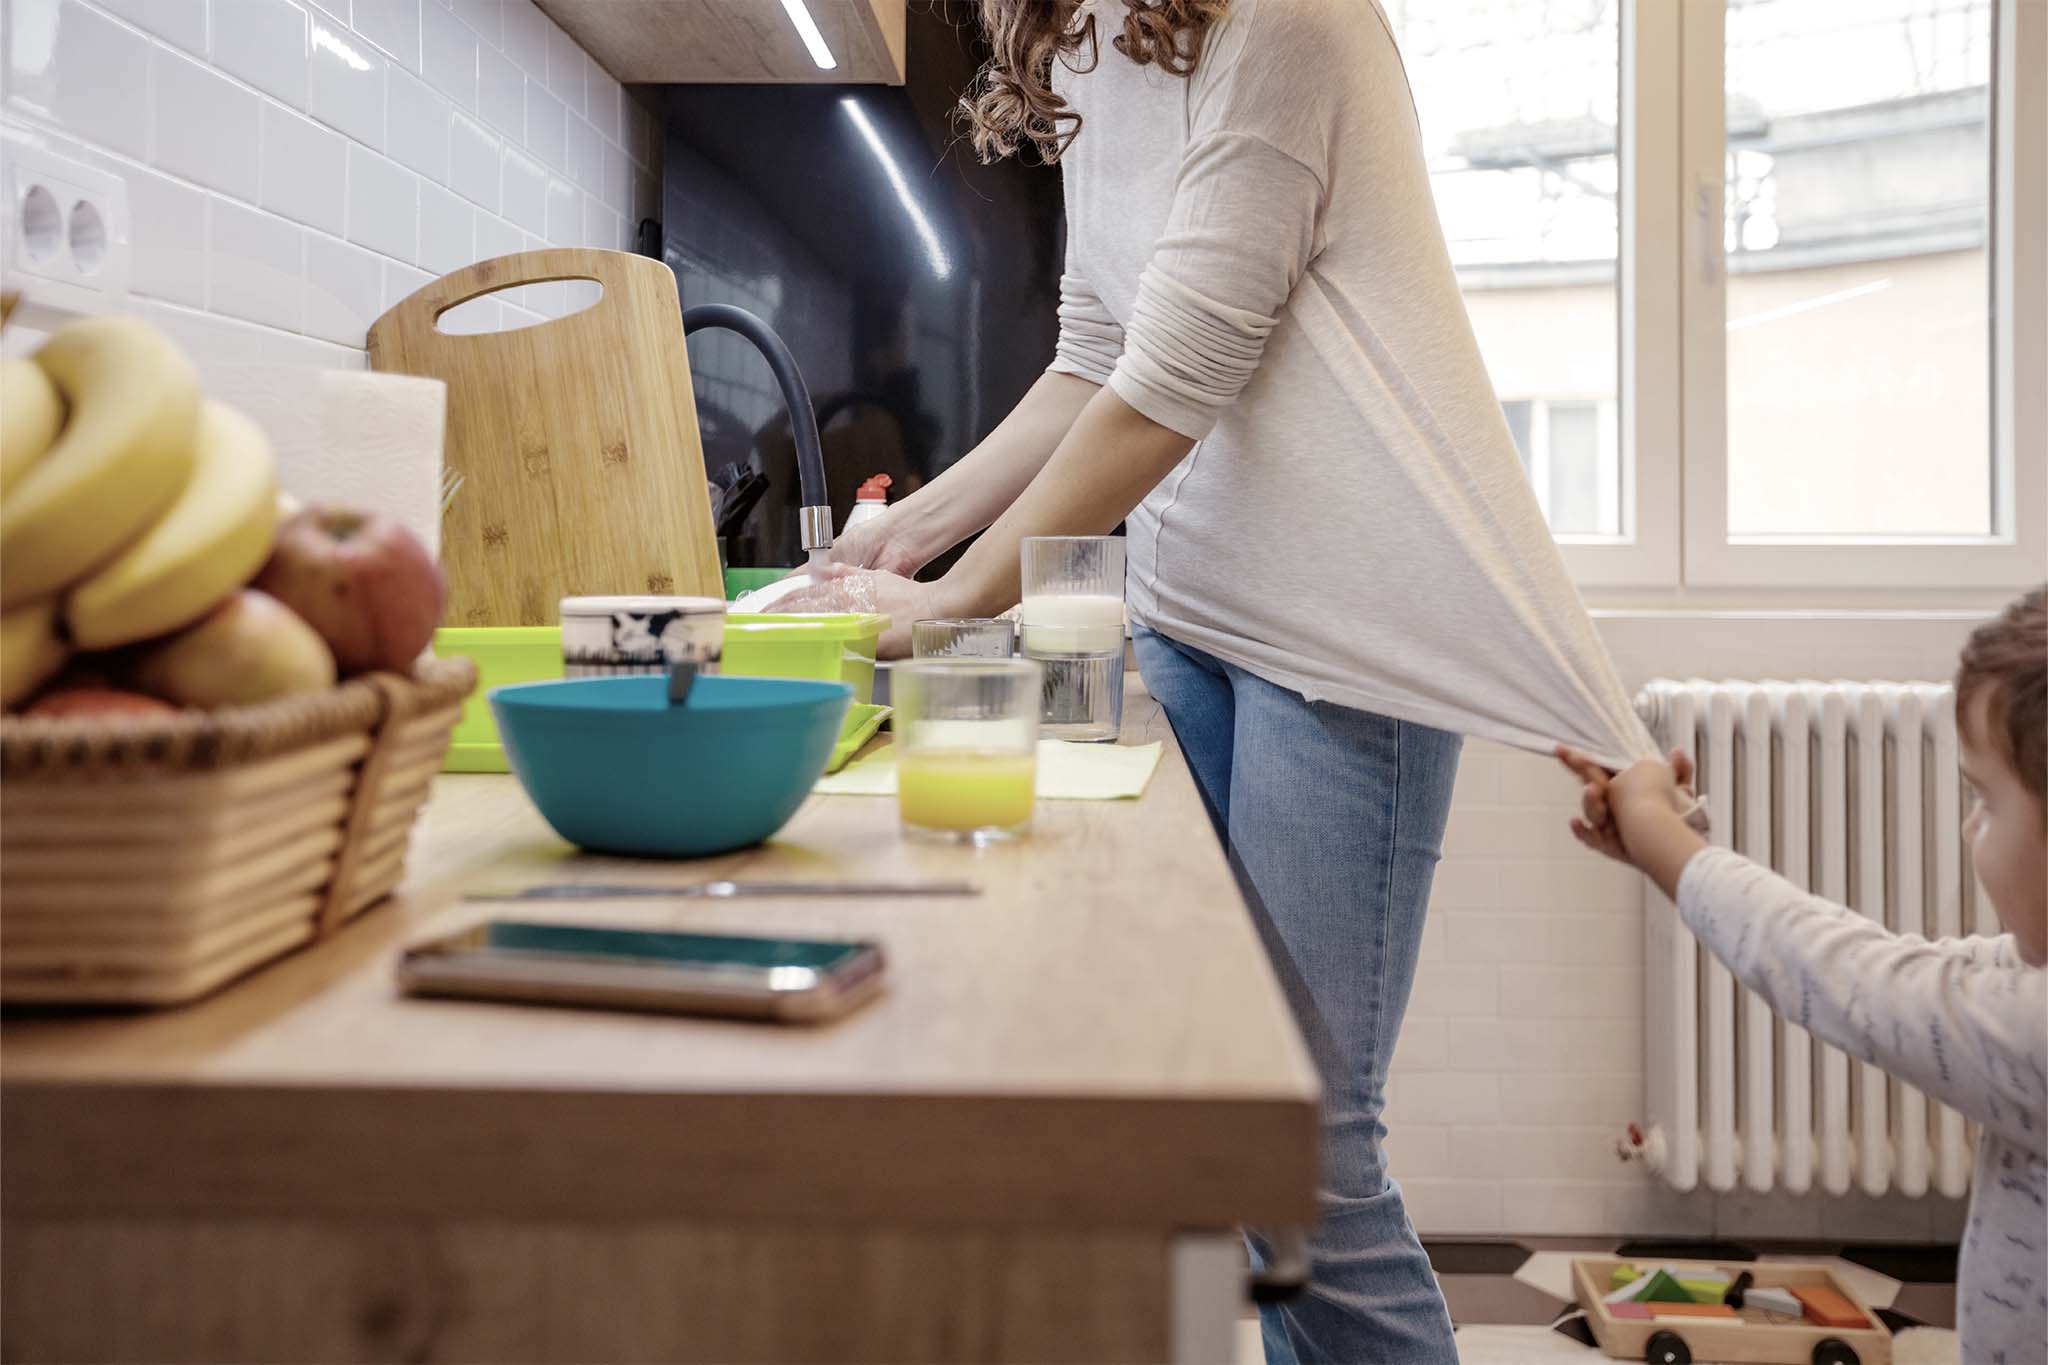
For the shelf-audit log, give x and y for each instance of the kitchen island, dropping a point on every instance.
(1034, 1146)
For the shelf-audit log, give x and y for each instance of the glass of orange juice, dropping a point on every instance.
(966, 746)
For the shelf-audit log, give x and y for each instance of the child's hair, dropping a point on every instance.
(2006, 661)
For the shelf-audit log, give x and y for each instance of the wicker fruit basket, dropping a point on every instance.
(151, 863)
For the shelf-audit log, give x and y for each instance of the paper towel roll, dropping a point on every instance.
(370, 440)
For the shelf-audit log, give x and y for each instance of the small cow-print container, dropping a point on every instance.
(608, 635)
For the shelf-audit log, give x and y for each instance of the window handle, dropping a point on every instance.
(1707, 211)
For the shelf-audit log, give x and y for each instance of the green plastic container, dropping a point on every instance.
(837, 648)
(738, 581)
(828, 648)
(503, 655)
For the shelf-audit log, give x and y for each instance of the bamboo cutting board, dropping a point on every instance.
(576, 439)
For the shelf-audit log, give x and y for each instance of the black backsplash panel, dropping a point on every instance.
(917, 288)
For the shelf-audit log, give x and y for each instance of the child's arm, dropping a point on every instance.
(1972, 1034)
(1968, 1028)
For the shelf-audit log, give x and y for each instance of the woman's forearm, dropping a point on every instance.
(974, 492)
(1111, 458)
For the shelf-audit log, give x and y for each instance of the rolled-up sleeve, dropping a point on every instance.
(1240, 234)
(1090, 339)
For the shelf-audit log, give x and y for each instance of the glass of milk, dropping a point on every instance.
(1074, 628)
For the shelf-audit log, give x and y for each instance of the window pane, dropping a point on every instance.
(1520, 413)
(1858, 323)
(1574, 466)
(1517, 100)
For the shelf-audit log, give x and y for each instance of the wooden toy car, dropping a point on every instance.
(1752, 1336)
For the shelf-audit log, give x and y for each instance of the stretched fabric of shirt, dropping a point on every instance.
(1254, 261)
(1962, 1019)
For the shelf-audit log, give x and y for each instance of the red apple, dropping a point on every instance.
(360, 579)
(99, 703)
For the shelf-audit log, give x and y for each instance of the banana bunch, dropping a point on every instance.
(130, 506)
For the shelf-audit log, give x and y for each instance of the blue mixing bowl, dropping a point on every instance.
(616, 769)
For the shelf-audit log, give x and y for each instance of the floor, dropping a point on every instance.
(1512, 1301)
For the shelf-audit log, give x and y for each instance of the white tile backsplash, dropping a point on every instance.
(618, 179)
(344, 290)
(1453, 1207)
(600, 224)
(602, 95)
(400, 281)
(447, 230)
(296, 166)
(422, 114)
(259, 263)
(305, 170)
(347, 87)
(586, 155)
(448, 54)
(468, 319)
(206, 128)
(525, 192)
(495, 237)
(566, 62)
(486, 17)
(564, 214)
(547, 126)
(1442, 1097)
(216, 339)
(179, 22)
(474, 158)
(501, 93)
(393, 25)
(98, 81)
(526, 39)
(169, 260)
(263, 42)
(383, 205)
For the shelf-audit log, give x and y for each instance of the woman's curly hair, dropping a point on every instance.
(1012, 103)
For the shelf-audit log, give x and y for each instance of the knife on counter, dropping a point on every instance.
(721, 890)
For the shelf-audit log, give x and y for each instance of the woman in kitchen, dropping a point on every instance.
(1336, 566)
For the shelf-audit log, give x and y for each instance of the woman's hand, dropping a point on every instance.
(838, 587)
(883, 543)
(1638, 815)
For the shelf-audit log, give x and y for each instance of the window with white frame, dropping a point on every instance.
(1760, 283)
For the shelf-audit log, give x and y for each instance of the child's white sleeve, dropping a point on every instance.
(1969, 1028)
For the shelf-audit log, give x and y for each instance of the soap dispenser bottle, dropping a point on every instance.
(869, 502)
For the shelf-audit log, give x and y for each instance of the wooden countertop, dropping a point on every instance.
(1097, 1038)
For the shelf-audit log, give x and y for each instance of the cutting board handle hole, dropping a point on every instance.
(514, 307)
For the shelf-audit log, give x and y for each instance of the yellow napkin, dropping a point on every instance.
(1066, 772)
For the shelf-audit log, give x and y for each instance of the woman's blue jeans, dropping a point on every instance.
(1334, 821)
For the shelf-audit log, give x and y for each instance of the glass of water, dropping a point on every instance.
(966, 747)
(975, 638)
(1074, 628)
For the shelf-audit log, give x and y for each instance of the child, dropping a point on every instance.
(1965, 1020)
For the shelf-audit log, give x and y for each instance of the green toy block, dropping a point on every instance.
(1663, 1289)
(1623, 1274)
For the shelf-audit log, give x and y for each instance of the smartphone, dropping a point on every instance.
(794, 980)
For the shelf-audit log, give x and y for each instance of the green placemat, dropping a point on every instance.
(1066, 772)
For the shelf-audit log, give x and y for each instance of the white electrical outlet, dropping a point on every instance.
(66, 234)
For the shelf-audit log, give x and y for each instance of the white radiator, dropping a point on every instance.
(1850, 790)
